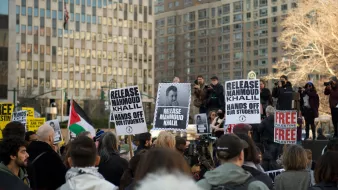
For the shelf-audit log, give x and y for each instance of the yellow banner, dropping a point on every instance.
(34, 123)
(30, 112)
(6, 110)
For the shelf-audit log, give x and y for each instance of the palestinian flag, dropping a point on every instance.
(78, 120)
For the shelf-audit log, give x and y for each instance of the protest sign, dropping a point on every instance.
(57, 130)
(30, 112)
(242, 99)
(285, 131)
(273, 173)
(229, 129)
(34, 123)
(6, 110)
(202, 125)
(127, 111)
(172, 106)
(20, 116)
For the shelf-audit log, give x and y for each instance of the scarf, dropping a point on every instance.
(74, 172)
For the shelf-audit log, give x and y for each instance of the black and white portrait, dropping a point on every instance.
(172, 106)
(201, 122)
(57, 130)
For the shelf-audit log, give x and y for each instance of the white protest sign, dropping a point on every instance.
(242, 99)
(57, 130)
(127, 111)
(20, 116)
(172, 106)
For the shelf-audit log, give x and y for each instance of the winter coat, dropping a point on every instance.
(284, 95)
(87, 181)
(199, 96)
(266, 98)
(215, 97)
(295, 180)
(324, 186)
(260, 176)
(167, 181)
(9, 181)
(266, 129)
(313, 101)
(112, 169)
(48, 171)
(229, 173)
(333, 99)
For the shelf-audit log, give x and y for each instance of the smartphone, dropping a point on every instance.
(196, 82)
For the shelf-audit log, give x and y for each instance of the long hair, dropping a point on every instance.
(313, 86)
(109, 146)
(250, 153)
(327, 168)
(129, 173)
(161, 159)
(166, 140)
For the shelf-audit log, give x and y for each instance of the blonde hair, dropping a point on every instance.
(165, 140)
(295, 158)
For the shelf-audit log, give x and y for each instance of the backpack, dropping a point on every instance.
(232, 186)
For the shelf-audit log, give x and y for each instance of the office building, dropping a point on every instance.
(226, 38)
(105, 44)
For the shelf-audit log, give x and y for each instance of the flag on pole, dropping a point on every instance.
(78, 120)
(66, 17)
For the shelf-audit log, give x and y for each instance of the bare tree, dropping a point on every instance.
(310, 42)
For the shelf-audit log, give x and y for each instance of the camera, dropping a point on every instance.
(196, 82)
(327, 83)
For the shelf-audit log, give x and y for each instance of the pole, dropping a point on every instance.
(62, 102)
(131, 151)
(62, 59)
(14, 97)
(109, 105)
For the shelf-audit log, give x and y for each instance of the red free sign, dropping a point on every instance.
(285, 131)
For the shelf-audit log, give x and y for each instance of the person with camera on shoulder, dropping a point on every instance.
(199, 94)
(331, 90)
(283, 91)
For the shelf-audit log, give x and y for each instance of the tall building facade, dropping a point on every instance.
(226, 38)
(105, 44)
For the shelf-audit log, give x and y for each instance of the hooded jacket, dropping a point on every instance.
(48, 171)
(10, 181)
(229, 173)
(284, 95)
(86, 179)
(165, 181)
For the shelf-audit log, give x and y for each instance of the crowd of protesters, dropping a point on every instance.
(32, 161)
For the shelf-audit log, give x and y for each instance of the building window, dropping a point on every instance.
(177, 3)
(284, 7)
(170, 5)
(274, 9)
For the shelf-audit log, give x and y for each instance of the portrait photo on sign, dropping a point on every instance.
(173, 94)
(172, 106)
(201, 122)
(57, 130)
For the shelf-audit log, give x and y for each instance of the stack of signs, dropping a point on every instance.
(127, 111)
(285, 127)
(20, 116)
(172, 106)
(57, 130)
(242, 99)
(6, 110)
(201, 122)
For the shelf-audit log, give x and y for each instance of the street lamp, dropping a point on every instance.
(110, 87)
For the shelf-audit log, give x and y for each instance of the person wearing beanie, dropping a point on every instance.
(331, 90)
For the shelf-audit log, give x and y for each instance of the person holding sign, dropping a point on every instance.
(283, 91)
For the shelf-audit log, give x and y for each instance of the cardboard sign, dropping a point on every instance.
(6, 110)
(30, 111)
(242, 99)
(57, 130)
(172, 106)
(202, 126)
(285, 131)
(33, 124)
(127, 111)
(20, 116)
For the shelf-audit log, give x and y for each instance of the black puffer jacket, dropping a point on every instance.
(266, 129)
(284, 95)
(215, 97)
